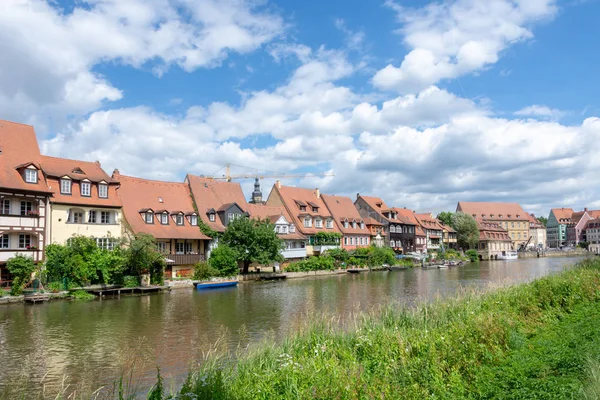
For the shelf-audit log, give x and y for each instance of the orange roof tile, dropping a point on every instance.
(273, 214)
(291, 195)
(212, 194)
(139, 194)
(342, 208)
(372, 221)
(19, 148)
(427, 221)
(485, 210)
(562, 213)
(491, 231)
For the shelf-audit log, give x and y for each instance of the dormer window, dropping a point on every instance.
(354, 224)
(86, 189)
(346, 224)
(315, 209)
(31, 175)
(307, 222)
(302, 208)
(378, 204)
(194, 220)
(329, 224)
(362, 225)
(318, 223)
(149, 217)
(103, 190)
(179, 219)
(211, 217)
(65, 186)
(292, 228)
(164, 218)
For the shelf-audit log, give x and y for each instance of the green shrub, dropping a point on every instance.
(379, 256)
(131, 281)
(82, 295)
(21, 268)
(473, 255)
(54, 287)
(224, 260)
(321, 263)
(203, 271)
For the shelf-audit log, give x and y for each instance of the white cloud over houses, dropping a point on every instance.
(453, 38)
(49, 54)
(424, 148)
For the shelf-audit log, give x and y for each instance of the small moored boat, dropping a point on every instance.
(508, 255)
(214, 285)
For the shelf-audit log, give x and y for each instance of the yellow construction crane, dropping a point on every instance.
(228, 177)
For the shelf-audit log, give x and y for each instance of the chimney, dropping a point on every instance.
(318, 193)
(278, 183)
(98, 162)
(116, 171)
(585, 209)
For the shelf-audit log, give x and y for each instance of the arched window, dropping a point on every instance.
(392, 230)
(392, 243)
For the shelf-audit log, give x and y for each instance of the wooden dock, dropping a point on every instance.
(36, 298)
(118, 291)
(278, 277)
(357, 270)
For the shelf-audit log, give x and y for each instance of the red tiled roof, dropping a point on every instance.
(491, 231)
(405, 216)
(291, 195)
(342, 208)
(140, 194)
(372, 221)
(562, 214)
(428, 222)
(373, 201)
(19, 148)
(273, 214)
(55, 168)
(212, 194)
(485, 210)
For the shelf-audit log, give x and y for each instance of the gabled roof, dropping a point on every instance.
(342, 208)
(427, 221)
(212, 194)
(485, 210)
(77, 170)
(261, 211)
(404, 216)
(19, 149)
(290, 196)
(372, 222)
(373, 203)
(139, 195)
(490, 231)
(562, 215)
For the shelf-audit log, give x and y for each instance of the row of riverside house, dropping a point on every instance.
(47, 200)
(568, 228)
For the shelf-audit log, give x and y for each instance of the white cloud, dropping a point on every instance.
(48, 55)
(541, 111)
(450, 39)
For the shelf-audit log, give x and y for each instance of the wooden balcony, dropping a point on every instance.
(184, 259)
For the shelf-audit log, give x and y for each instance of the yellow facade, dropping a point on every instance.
(518, 230)
(69, 220)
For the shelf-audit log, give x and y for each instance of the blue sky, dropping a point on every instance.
(422, 103)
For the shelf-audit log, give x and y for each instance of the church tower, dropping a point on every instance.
(256, 194)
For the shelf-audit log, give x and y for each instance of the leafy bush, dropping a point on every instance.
(357, 261)
(54, 287)
(21, 268)
(322, 263)
(224, 260)
(379, 256)
(203, 271)
(82, 295)
(473, 255)
(131, 281)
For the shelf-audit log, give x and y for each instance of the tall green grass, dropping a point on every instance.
(526, 341)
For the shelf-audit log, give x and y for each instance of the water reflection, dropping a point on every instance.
(90, 341)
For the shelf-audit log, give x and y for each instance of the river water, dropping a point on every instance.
(92, 342)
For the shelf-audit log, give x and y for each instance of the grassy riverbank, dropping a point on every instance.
(538, 340)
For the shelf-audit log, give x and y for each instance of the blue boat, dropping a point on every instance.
(214, 285)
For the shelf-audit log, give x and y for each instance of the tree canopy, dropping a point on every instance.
(252, 241)
(467, 232)
(445, 217)
(543, 220)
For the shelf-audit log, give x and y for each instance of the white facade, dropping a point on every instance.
(97, 222)
(294, 248)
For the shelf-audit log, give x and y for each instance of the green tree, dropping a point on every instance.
(224, 260)
(445, 217)
(379, 256)
(253, 241)
(21, 268)
(142, 257)
(543, 220)
(339, 255)
(467, 232)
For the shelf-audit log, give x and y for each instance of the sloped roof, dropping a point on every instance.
(373, 201)
(139, 194)
(562, 214)
(372, 221)
(592, 222)
(273, 213)
(74, 169)
(212, 194)
(291, 195)
(427, 221)
(491, 231)
(534, 222)
(342, 208)
(405, 216)
(484, 210)
(19, 148)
